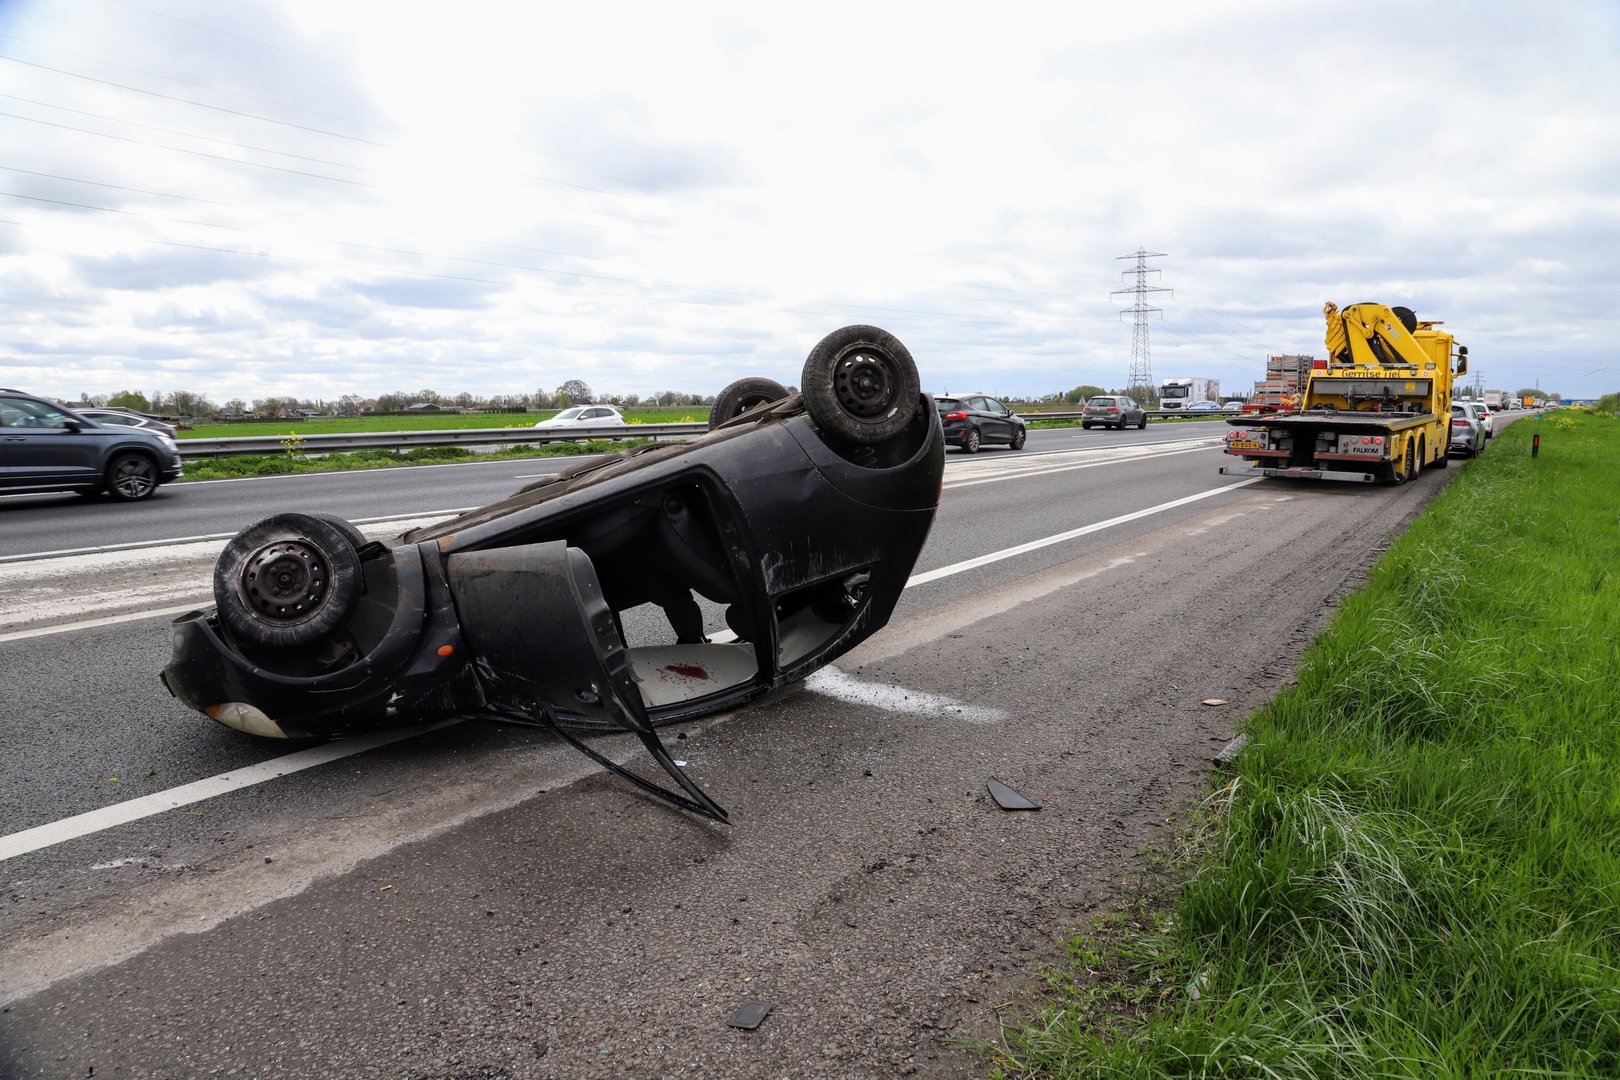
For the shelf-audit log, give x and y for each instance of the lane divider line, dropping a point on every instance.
(1048, 469)
(56, 832)
(134, 545)
(106, 620)
(80, 825)
(1085, 530)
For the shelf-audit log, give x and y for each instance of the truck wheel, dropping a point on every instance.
(288, 581)
(742, 395)
(1403, 471)
(861, 384)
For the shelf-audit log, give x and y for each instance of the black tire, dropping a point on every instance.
(1407, 317)
(861, 384)
(131, 477)
(1120, 426)
(1142, 424)
(1403, 473)
(1018, 439)
(970, 441)
(350, 533)
(288, 581)
(742, 395)
(1085, 427)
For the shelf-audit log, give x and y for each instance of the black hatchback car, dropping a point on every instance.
(972, 420)
(45, 447)
(797, 520)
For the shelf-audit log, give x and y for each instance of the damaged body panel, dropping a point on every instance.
(797, 521)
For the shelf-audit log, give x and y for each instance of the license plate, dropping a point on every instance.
(1244, 444)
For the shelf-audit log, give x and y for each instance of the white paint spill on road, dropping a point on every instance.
(830, 682)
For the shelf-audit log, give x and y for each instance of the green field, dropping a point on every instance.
(1414, 869)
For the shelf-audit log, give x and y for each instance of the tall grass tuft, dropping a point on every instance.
(1416, 872)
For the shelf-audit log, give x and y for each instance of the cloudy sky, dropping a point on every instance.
(310, 198)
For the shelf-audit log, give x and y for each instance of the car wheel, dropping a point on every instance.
(131, 477)
(1141, 425)
(353, 535)
(742, 395)
(1019, 438)
(288, 581)
(971, 443)
(861, 384)
(1120, 426)
(1085, 427)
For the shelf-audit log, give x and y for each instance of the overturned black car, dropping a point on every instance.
(797, 517)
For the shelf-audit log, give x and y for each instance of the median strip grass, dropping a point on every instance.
(1414, 870)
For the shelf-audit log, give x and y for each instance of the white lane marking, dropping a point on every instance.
(1035, 545)
(1046, 468)
(834, 683)
(109, 620)
(148, 805)
(169, 542)
(43, 589)
(56, 832)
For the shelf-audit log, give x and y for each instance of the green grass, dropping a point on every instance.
(1415, 871)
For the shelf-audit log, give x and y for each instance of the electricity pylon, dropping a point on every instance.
(1140, 383)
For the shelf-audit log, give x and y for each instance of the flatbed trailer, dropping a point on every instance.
(1363, 442)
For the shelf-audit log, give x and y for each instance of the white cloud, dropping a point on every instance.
(328, 197)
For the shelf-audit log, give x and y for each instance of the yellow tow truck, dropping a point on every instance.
(1378, 409)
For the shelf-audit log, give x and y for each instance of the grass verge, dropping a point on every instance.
(1415, 870)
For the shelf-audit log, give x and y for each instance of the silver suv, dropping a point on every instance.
(45, 447)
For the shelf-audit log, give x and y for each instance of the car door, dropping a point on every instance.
(38, 447)
(1002, 418)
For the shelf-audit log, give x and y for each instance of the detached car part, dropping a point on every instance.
(800, 515)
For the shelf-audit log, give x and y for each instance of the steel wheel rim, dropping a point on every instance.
(285, 582)
(864, 384)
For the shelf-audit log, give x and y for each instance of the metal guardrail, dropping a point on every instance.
(230, 445)
(398, 440)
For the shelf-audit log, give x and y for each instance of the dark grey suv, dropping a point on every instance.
(45, 447)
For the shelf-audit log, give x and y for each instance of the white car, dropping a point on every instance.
(584, 416)
(1480, 414)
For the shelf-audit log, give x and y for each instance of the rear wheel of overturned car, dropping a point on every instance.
(131, 477)
(742, 395)
(288, 581)
(861, 384)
